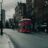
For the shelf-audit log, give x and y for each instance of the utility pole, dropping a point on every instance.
(1, 20)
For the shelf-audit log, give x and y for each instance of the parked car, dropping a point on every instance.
(41, 27)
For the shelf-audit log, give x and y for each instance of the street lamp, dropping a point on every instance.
(1, 1)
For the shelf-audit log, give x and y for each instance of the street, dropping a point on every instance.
(27, 40)
(18, 18)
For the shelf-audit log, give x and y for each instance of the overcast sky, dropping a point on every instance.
(9, 6)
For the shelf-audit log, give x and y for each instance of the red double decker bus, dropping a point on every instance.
(25, 25)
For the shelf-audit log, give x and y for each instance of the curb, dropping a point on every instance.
(9, 41)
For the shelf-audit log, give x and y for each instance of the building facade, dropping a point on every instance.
(42, 10)
(29, 8)
(39, 9)
(35, 9)
(46, 10)
(20, 10)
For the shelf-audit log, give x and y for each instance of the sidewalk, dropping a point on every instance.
(5, 42)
